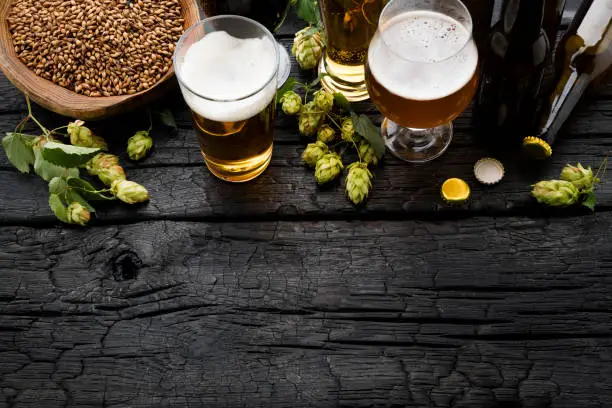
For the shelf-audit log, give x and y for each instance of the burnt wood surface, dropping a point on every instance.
(277, 293)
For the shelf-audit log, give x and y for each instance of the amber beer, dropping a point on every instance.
(349, 26)
(236, 150)
(229, 79)
(437, 77)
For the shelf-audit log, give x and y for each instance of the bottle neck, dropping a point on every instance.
(522, 20)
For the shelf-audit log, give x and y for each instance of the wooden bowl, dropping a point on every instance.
(64, 101)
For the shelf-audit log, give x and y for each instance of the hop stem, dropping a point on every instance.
(31, 116)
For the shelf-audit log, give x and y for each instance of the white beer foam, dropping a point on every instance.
(421, 55)
(222, 67)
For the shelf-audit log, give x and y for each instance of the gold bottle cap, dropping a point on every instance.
(537, 148)
(455, 191)
(489, 171)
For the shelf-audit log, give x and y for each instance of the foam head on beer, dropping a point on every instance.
(423, 55)
(221, 71)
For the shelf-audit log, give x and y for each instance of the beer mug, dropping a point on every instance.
(227, 68)
(421, 73)
(349, 27)
(270, 13)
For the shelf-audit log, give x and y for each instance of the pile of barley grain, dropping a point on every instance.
(97, 47)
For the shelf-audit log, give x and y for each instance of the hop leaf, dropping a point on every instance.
(314, 152)
(358, 182)
(139, 145)
(310, 119)
(367, 154)
(583, 179)
(129, 192)
(77, 214)
(307, 48)
(556, 193)
(348, 131)
(328, 168)
(84, 137)
(291, 103)
(323, 100)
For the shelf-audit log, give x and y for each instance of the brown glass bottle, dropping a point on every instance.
(553, 13)
(482, 15)
(512, 72)
(583, 56)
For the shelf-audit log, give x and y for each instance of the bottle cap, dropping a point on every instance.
(537, 148)
(455, 191)
(489, 171)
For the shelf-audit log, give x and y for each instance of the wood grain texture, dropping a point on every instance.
(66, 102)
(279, 294)
(505, 313)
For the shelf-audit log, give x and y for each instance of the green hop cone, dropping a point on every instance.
(367, 154)
(84, 137)
(139, 145)
(328, 168)
(291, 103)
(110, 174)
(314, 152)
(583, 179)
(358, 182)
(348, 131)
(326, 134)
(100, 161)
(129, 192)
(310, 119)
(77, 214)
(323, 100)
(106, 167)
(556, 193)
(307, 49)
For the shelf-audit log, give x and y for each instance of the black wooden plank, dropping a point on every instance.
(288, 189)
(478, 313)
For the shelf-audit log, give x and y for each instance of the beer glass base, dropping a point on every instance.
(284, 67)
(241, 171)
(353, 87)
(416, 145)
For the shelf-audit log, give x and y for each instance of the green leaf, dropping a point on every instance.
(47, 170)
(18, 149)
(66, 155)
(57, 185)
(87, 190)
(167, 119)
(73, 196)
(342, 102)
(366, 129)
(287, 86)
(58, 208)
(589, 202)
(308, 11)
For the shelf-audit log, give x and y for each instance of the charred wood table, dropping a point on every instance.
(276, 293)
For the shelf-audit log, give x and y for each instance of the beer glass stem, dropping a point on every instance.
(416, 145)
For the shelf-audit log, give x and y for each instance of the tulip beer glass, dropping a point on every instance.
(349, 27)
(421, 73)
(227, 69)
